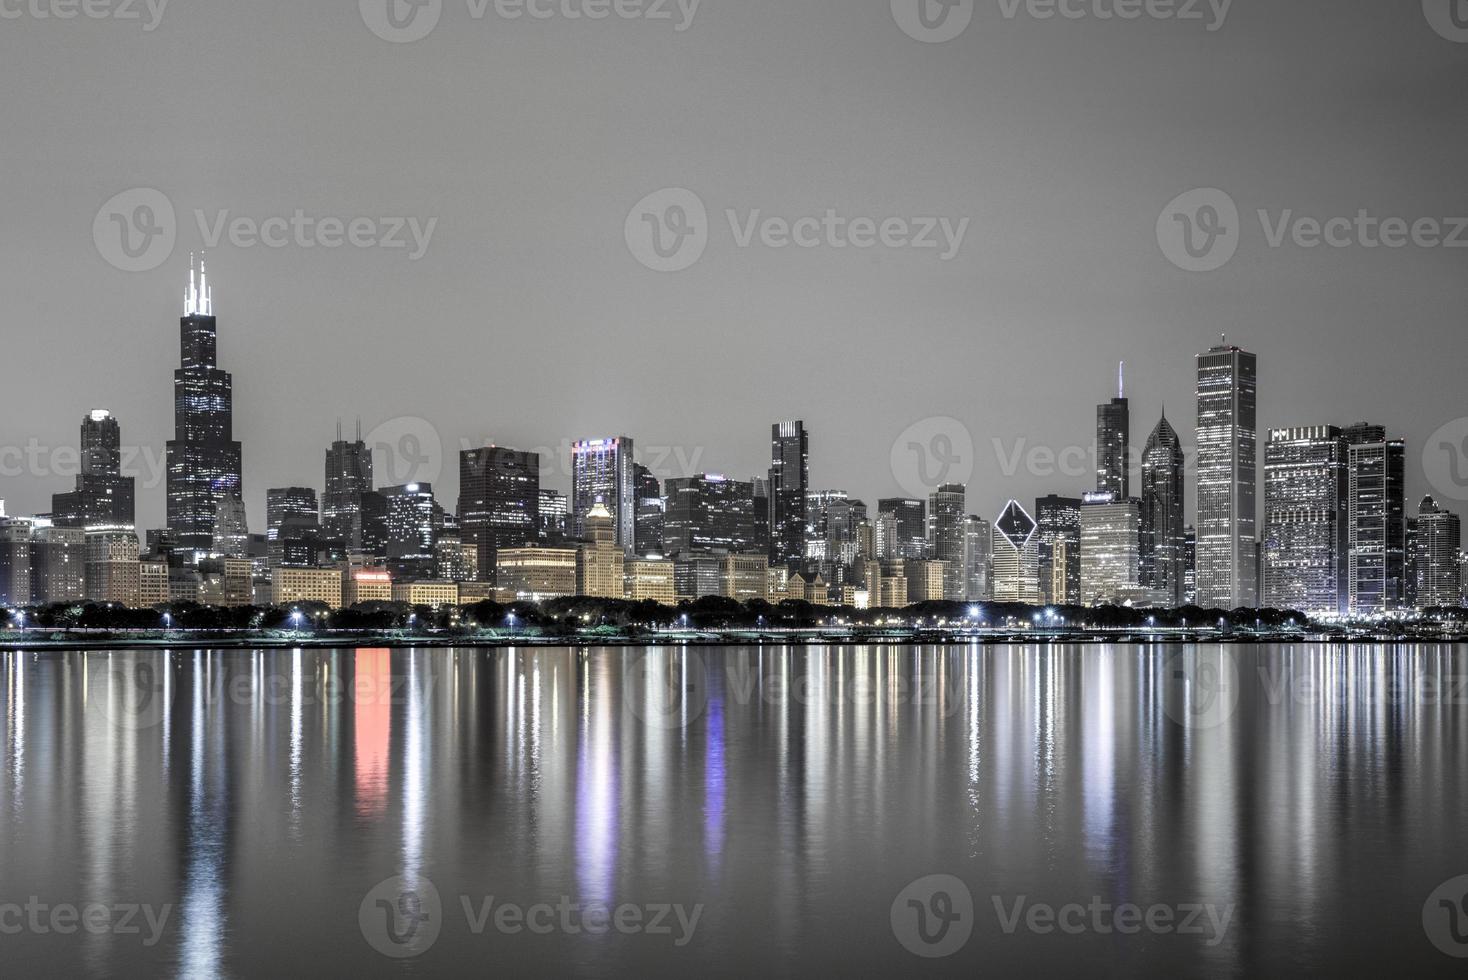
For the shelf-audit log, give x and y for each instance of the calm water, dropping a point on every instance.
(1269, 812)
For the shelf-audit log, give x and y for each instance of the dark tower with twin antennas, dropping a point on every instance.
(204, 460)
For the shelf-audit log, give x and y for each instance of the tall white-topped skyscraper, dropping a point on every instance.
(204, 460)
(1016, 557)
(1228, 476)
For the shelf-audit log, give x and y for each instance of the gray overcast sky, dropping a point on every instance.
(529, 321)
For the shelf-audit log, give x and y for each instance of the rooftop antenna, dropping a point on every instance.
(1121, 381)
(359, 428)
(338, 428)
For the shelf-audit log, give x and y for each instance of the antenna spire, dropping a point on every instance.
(198, 297)
(1121, 381)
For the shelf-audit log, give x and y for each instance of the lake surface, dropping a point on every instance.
(956, 811)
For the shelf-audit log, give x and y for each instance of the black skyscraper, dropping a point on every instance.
(204, 461)
(1113, 444)
(103, 496)
(346, 511)
(789, 481)
(499, 502)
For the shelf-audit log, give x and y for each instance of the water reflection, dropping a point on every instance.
(793, 793)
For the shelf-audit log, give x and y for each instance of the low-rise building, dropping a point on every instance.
(533, 574)
(290, 586)
(362, 585)
(651, 579)
(426, 592)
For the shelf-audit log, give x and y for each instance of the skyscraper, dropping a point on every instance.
(1016, 556)
(602, 471)
(348, 480)
(103, 496)
(1377, 516)
(1306, 537)
(709, 513)
(1439, 538)
(410, 533)
(789, 483)
(1161, 541)
(947, 509)
(978, 559)
(911, 526)
(499, 503)
(1113, 443)
(204, 461)
(651, 510)
(292, 526)
(1228, 463)
(1111, 562)
(1059, 535)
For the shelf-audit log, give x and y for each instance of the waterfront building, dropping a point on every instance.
(708, 513)
(947, 530)
(1110, 550)
(601, 559)
(602, 473)
(291, 586)
(1306, 533)
(499, 504)
(1113, 443)
(1438, 544)
(654, 580)
(1058, 523)
(1163, 524)
(789, 484)
(1228, 461)
(910, 526)
(1377, 521)
(536, 574)
(1016, 556)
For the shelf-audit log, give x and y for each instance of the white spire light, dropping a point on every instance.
(198, 297)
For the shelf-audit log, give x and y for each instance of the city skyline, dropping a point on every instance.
(677, 462)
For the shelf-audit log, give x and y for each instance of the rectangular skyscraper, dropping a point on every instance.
(1305, 531)
(1377, 514)
(103, 497)
(602, 471)
(499, 503)
(1059, 521)
(947, 511)
(1228, 473)
(789, 483)
(348, 480)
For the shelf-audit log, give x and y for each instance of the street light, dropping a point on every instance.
(296, 618)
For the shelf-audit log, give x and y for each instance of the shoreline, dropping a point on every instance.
(229, 640)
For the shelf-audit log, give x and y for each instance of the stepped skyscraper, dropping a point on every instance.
(204, 460)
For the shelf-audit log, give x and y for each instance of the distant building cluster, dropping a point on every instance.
(1336, 538)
